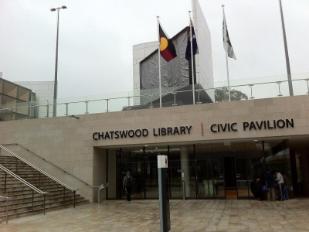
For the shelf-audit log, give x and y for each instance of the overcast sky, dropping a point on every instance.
(96, 39)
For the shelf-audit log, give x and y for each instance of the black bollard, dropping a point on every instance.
(165, 222)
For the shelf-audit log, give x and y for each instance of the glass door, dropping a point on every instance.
(151, 175)
(210, 177)
(244, 175)
(130, 161)
(175, 181)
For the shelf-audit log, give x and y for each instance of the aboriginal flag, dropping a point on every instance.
(167, 48)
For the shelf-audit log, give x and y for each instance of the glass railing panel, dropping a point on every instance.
(118, 104)
(61, 110)
(258, 91)
(301, 87)
(180, 97)
(76, 108)
(42, 111)
(99, 106)
(50, 111)
(33, 111)
(135, 100)
(23, 109)
(142, 99)
(149, 97)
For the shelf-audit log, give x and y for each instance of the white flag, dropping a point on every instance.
(227, 42)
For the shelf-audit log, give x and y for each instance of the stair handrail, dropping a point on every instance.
(35, 189)
(38, 169)
(56, 166)
(22, 180)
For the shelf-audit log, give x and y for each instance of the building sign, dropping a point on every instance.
(246, 126)
(252, 125)
(142, 132)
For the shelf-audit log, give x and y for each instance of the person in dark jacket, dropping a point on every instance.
(127, 185)
(256, 188)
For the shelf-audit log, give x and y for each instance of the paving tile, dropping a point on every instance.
(186, 216)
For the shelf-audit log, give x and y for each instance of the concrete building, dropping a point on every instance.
(25, 99)
(15, 101)
(140, 52)
(44, 91)
(176, 75)
(215, 150)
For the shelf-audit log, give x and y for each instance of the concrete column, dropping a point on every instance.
(185, 168)
(99, 171)
(304, 161)
(112, 174)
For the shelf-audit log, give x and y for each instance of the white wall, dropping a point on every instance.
(204, 64)
(140, 52)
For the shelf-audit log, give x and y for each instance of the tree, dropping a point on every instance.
(222, 94)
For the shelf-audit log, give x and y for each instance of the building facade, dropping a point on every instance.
(15, 101)
(176, 75)
(214, 150)
(140, 52)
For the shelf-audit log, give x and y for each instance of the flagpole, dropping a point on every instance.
(193, 8)
(228, 76)
(192, 62)
(159, 63)
(227, 63)
(287, 59)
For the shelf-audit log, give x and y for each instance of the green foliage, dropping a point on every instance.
(222, 94)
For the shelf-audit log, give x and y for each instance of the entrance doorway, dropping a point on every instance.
(210, 177)
(230, 186)
(143, 168)
(191, 174)
(196, 171)
(142, 164)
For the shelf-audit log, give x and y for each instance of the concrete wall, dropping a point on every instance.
(68, 142)
(112, 175)
(99, 171)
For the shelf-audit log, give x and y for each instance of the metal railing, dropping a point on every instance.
(100, 188)
(6, 199)
(149, 99)
(26, 183)
(73, 190)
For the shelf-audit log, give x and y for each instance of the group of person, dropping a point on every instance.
(270, 186)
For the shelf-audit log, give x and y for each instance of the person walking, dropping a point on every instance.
(280, 182)
(127, 185)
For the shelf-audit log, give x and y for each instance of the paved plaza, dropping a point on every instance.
(190, 215)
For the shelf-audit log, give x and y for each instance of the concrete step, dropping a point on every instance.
(23, 201)
(14, 205)
(38, 209)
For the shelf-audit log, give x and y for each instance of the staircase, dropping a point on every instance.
(30, 190)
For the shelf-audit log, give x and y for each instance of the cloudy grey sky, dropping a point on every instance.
(96, 39)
